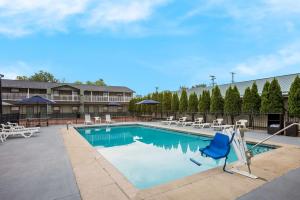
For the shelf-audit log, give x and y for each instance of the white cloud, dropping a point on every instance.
(21, 17)
(288, 56)
(19, 68)
(112, 12)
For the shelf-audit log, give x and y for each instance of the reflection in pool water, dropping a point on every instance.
(150, 156)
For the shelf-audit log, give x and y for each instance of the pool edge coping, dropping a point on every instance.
(183, 181)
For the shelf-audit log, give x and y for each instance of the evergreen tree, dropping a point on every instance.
(232, 102)
(175, 103)
(265, 101)
(183, 103)
(155, 107)
(132, 106)
(217, 102)
(193, 104)
(167, 102)
(275, 97)
(161, 103)
(294, 98)
(204, 103)
(247, 101)
(256, 101)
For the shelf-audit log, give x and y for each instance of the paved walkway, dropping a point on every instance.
(37, 168)
(285, 187)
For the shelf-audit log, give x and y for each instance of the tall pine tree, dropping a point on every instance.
(204, 103)
(217, 102)
(294, 98)
(183, 103)
(265, 99)
(275, 97)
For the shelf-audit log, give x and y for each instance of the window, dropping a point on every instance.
(56, 109)
(74, 108)
(14, 90)
(55, 93)
(15, 108)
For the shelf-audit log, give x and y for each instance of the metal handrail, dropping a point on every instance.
(267, 138)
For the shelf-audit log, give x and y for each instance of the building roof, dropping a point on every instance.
(285, 82)
(46, 85)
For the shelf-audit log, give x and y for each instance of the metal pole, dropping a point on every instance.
(1, 76)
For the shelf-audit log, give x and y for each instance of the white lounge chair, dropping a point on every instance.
(18, 132)
(181, 121)
(15, 126)
(108, 119)
(87, 119)
(169, 120)
(197, 122)
(241, 123)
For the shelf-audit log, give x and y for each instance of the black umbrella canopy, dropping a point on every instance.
(36, 100)
(148, 102)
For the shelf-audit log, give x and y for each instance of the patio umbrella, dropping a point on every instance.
(148, 102)
(35, 100)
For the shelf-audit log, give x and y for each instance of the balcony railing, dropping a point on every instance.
(87, 98)
(19, 96)
(65, 98)
(107, 99)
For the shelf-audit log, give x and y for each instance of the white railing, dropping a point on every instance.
(19, 96)
(89, 98)
(65, 98)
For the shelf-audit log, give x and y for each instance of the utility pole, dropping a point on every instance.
(212, 78)
(232, 76)
(156, 89)
(1, 76)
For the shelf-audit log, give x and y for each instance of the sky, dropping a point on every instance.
(142, 44)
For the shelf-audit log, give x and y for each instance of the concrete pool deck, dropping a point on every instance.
(37, 168)
(98, 179)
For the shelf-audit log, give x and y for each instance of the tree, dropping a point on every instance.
(161, 102)
(232, 102)
(217, 102)
(193, 104)
(265, 101)
(99, 82)
(132, 106)
(167, 102)
(294, 98)
(175, 103)
(22, 78)
(78, 82)
(275, 97)
(201, 85)
(41, 76)
(255, 99)
(247, 101)
(183, 103)
(204, 103)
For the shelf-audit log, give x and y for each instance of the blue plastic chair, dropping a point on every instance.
(218, 148)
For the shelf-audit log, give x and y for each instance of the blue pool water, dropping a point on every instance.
(150, 156)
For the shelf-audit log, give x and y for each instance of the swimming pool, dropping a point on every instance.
(151, 156)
